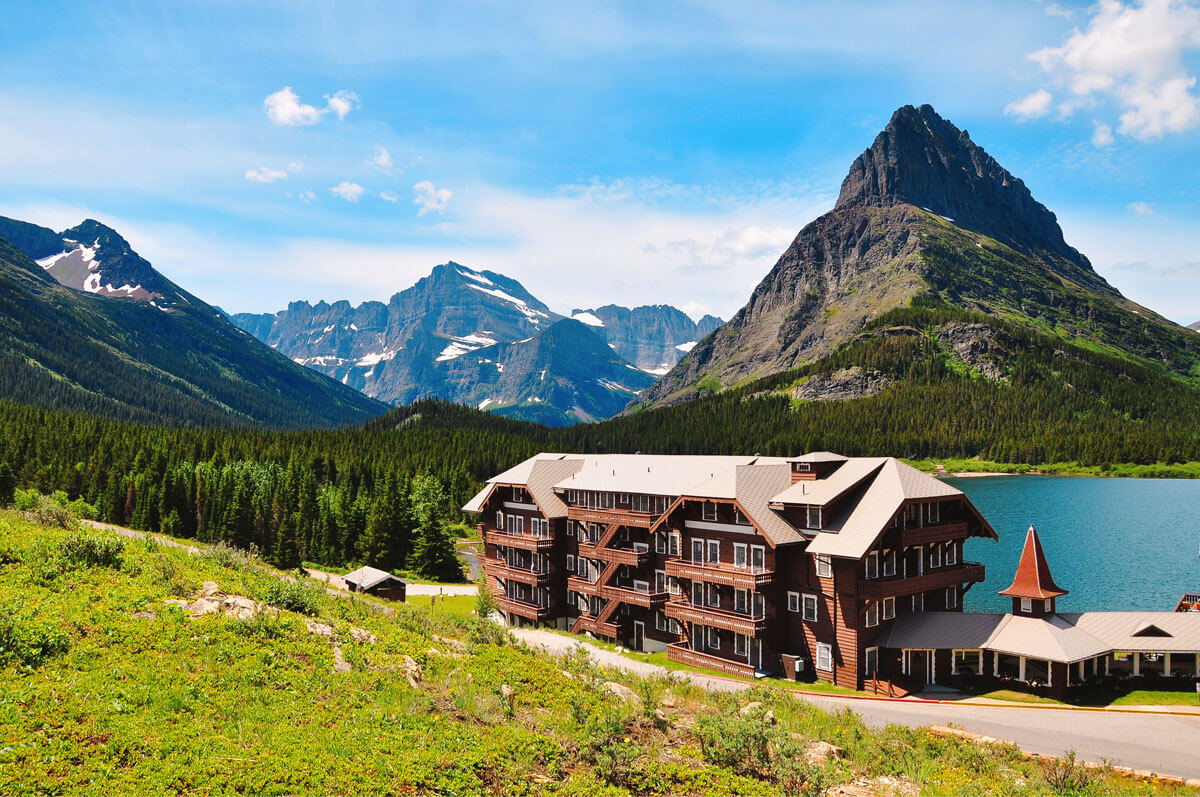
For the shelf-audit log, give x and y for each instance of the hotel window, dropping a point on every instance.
(660, 580)
(660, 621)
(824, 566)
(871, 661)
(739, 555)
(606, 500)
(708, 511)
(810, 608)
(824, 657)
(935, 513)
(935, 556)
(951, 553)
(583, 602)
(803, 467)
(570, 496)
(570, 528)
(500, 554)
(919, 602)
(499, 521)
(624, 499)
(714, 638)
(912, 516)
(872, 614)
(673, 585)
(697, 552)
(641, 503)
(1026, 605)
(889, 608)
(741, 601)
(673, 544)
(697, 593)
(570, 563)
(739, 518)
(516, 524)
(951, 597)
(872, 565)
(714, 552)
(814, 517)
(740, 645)
(1048, 604)
(793, 601)
(712, 595)
(889, 563)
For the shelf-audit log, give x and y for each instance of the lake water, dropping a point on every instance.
(1115, 544)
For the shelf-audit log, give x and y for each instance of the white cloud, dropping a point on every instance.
(380, 157)
(265, 174)
(1031, 107)
(341, 103)
(1055, 10)
(284, 107)
(1133, 56)
(347, 190)
(1140, 208)
(1102, 135)
(429, 198)
(306, 196)
(388, 196)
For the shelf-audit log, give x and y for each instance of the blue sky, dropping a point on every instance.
(599, 152)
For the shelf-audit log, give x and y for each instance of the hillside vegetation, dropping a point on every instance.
(108, 683)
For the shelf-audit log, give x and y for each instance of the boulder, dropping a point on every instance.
(622, 691)
(208, 589)
(363, 635)
(819, 752)
(339, 662)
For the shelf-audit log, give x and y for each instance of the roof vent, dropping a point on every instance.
(1150, 629)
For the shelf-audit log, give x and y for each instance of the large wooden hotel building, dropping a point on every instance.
(740, 564)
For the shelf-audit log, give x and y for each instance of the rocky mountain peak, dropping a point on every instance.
(924, 160)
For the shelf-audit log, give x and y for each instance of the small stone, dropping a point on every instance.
(144, 614)
(320, 629)
(363, 635)
(769, 717)
(1192, 783)
(750, 708)
(203, 606)
(506, 690)
(819, 752)
(412, 670)
(339, 662)
(434, 652)
(660, 715)
(621, 690)
(208, 589)
(182, 604)
(668, 700)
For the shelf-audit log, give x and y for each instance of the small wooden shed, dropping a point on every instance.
(373, 581)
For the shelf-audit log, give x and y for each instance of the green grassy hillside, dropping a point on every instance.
(107, 686)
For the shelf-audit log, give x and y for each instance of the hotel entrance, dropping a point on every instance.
(918, 665)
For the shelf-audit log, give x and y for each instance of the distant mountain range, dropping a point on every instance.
(91, 326)
(481, 338)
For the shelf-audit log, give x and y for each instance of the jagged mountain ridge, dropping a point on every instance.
(177, 361)
(652, 337)
(923, 212)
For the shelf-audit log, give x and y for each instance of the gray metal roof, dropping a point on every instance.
(1119, 630)
(940, 630)
(756, 485)
(370, 577)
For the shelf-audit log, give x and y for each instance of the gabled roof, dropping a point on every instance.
(538, 474)
(1033, 579)
(819, 456)
(819, 492)
(369, 577)
(1119, 630)
(652, 474)
(756, 485)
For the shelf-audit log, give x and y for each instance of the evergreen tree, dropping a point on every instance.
(8, 484)
(433, 550)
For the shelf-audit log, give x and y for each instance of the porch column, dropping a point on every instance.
(1021, 669)
(933, 666)
(1107, 661)
(1166, 664)
(996, 664)
(979, 669)
(1049, 673)
(1081, 672)
(1137, 663)
(1198, 665)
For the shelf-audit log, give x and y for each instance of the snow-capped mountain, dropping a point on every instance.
(652, 337)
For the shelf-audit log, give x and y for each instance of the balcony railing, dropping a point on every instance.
(737, 622)
(526, 542)
(923, 535)
(500, 569)
(581, 584)
(623, 516)
(589, 622)
(967, 572)
(627, 593)
(523, 609)
(622, 556)
(741, 577)
(679, 651)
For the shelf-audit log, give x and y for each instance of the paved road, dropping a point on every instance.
(1168, 744)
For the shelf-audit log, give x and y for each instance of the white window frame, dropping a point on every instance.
(810, 608)
(672, 585)
(824, 566)
(712, 596)
(703, 546)
(803, 467)
(934, 513)
(761, 550)
(741, 645)
(952, 597)
(607, 500)
(872, 615)
(811, 517)
(570, 563)
(889, 608)
(871, 661)
(571, 497)
(824, 661)
(741, 551)
(697, 593)
(740, 518)
(624, 499)
(793, 602)
(500, 521)
(951, 557)
(660, 621)
(741, 600)
(708, 511)
(500, 553)
(871, 565)
(710, 547)
(714, 638)
(1049, 603)
(889, 562)
(935, 556)
(674, 543)
(1026, 604)
(918, 602)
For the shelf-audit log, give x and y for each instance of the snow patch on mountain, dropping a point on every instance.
(534, 316)
(686, 347)
(374, 358)
(588, 318)
(474, 275)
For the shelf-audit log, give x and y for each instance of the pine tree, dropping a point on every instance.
(433, 550)
(8, 484)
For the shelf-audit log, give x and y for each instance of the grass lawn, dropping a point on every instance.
(1136, 697)
(449, 605)
(1014, 696)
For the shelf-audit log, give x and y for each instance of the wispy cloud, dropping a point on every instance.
(388, 196)
(1102, 135)
(379, 156)
(1140, 208)
(1133, 56)
(429, 198)
(284, 107)
(1030, 107)
(265, 174)
(351, 192)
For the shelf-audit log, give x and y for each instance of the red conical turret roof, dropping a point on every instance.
(1033, 579)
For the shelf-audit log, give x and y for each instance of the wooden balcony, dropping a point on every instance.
(736, 622)
(742, 578)
(498, 569)
(588, 622)
(526, 542)
(679, 651)
(622, 556)
(582, 585)
(634, 597)
(523, 609)
(939, 533)
(965, 573)
(623, 516)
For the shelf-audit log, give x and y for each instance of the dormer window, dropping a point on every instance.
(935, 513)
(1049, 605)
(739, 518)
(803, 467)
(1027, 605)
(814, 517)
(709, 511)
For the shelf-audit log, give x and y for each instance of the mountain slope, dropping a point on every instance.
(652, 337)
(924, 212)
(177, 363)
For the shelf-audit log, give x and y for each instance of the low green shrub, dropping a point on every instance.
(231, 558)
(291, 596)
(28, 639)
(90, 549)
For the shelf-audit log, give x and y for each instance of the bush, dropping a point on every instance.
(1066, 775)
(25, 638)
(291, 596)
(229, 557)
(736, 742)
(90, 549)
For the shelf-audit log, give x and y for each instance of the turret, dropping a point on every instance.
(1033, 589)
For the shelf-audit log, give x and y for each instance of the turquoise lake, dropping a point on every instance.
(1115, 544)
